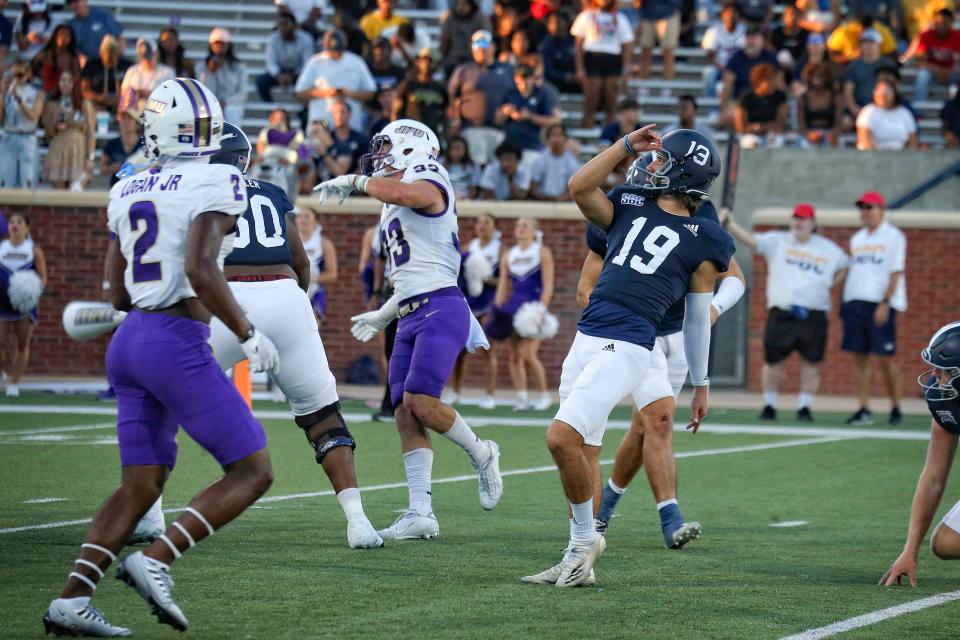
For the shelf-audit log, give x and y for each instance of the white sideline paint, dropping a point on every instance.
(513, 472)
(44, 500)
(875, 617)
(789, 523)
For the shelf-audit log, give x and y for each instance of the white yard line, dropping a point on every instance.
(464, 478)
(875, 616)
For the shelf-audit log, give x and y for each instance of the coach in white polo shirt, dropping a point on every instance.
(875, 291)
(802, 267)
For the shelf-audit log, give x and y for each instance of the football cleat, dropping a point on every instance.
(61, 620)
(522, 404)
(686, 532)
(577, 564)
(804, 415)
(551, 575)
(411, 526)
(544, 403)
(768, 413)
(861, 418)
(487, 402)
(362, 535)
(150, 527)
(491, 482)
(152, 581)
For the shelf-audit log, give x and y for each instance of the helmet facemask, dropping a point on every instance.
(933, 389)
(640, 175)
(379, 161)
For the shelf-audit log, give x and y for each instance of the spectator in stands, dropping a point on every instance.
(525, 111)
(385, 73)
(306, 13)
(457, 29)
(476, 91)
(142, 78)
(873, 295)
(6, 37)
(89, 25)
(171, 53)
(335, 73)
(814, 53)
(70, 125)
(406, 41)
(101, 76)
(20, 109)
(940, 49)
(687, 118)
(557, 49)
(860, 76)
(885, 124)
(225, 75)
(57, 56)
(550, 172)
(628, 120)
(288, 50)
(344, 22)
(820, 107)
(659, 21)
(789, 39)
(720, 41)
(736, 75)
(535, 62)
(761, 116)
(464, 174)
(283, 145)
(817, 16)
(846, 41)
(336, 147)
(505, 179)
(506, 22)
(380, 111)
(891, 75)
(604, 41)
(918, 15)
(376, 21)
(33, 29)
(117, 150)
(420, 97)
(950, 118)
(757, 12)
(802, 268)
(519, 48)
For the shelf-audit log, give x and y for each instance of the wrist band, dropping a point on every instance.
(627, 145)
(360, 183)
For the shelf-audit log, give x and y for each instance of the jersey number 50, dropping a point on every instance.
(658, 252)
(257, 205)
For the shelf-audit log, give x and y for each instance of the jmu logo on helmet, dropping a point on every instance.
(420, 133)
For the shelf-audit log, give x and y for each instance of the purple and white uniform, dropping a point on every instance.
(161, 366)
(316, 292)
(523, 267)
(424, 255)
(483, 303)
(14, 258)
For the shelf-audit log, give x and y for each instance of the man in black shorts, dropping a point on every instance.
(802, 267)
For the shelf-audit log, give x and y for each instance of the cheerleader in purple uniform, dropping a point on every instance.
(18, 252)
(487, 244)
(367, 262)
(526, 275)
(323, 260)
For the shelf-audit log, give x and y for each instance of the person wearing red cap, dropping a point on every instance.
(802, 267)
(874, 292)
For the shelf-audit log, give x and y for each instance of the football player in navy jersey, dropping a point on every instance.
(649, 439)
(941, 387)
(656, 255)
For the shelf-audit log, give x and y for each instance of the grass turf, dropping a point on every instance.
(283, 570)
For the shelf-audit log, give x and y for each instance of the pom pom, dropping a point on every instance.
(499, 326)
(532, 320)
(476, 269)
(24, 291)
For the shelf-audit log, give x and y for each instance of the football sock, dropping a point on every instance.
(349, 500)
(463, 435)
(608, 502)
(770, 398)
(185, 532)
(584, 527)
(74, 603)
(91, 563)
(805, 400)
(670, 516)
(419, 466)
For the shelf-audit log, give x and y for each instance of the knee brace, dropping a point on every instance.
(331, 438)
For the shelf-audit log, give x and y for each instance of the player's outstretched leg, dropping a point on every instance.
(418, 520)
(71, 613)
(243, 482)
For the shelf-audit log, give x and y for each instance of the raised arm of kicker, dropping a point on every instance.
(420, 193)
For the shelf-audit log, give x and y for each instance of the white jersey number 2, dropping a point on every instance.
(257, 205)
(658, 252)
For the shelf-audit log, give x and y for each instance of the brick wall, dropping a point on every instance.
(932, 304)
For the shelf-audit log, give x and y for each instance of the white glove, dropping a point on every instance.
(367, 325)
(261, 353)
(340, 187)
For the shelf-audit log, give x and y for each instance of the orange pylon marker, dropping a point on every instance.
(241, 378)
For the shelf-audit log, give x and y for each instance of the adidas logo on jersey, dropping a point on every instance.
(632, 199)
(692, 228)
(609, 348)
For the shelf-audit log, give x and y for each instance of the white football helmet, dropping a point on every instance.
(397, 146)
(182, 119)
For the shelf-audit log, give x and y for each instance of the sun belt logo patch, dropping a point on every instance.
(632, 199)
(692, 228)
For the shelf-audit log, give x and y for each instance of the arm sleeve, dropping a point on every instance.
(596, 240)
(696, 336)
(730, 291)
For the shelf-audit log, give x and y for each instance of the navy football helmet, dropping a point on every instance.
(235, 148)
(687, 162)
(943, 352)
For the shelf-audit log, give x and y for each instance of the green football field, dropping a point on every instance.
(283, 569)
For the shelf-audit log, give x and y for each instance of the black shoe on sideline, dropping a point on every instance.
(768, 413)
(804, 415)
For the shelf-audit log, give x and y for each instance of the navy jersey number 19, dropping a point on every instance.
(658, 252)
(144, 271)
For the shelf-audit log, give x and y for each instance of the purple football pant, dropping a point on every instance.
(165, 375)
(428, 343)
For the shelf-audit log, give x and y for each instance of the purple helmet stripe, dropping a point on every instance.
(206, 117)
(188, 89)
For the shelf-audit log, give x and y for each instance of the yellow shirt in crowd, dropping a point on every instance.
(845, 39)
(373, 25)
